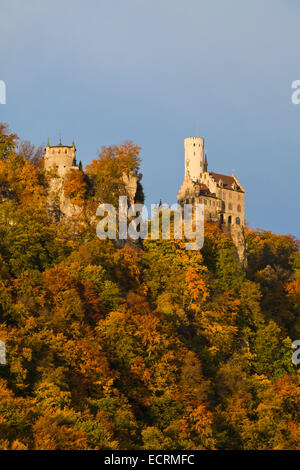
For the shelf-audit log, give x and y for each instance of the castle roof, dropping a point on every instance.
(203, 190)
(60, 145)
(227, 181)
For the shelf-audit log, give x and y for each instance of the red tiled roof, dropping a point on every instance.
(204, 190)
(227, 181)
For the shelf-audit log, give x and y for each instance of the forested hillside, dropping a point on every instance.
(147, 348)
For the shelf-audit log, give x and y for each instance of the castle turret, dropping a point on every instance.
(60, 158)
(205, 163)
(194, 159)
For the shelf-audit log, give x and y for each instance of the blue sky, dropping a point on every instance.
(156, 72)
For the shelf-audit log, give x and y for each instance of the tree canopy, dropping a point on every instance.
(148, 348)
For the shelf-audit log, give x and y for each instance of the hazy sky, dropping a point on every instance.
(157, 71)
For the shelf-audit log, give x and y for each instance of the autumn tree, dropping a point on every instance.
(106, 172)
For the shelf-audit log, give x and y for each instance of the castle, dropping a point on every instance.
(223, 196)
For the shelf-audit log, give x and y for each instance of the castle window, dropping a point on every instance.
(239, 208)
(230, 206)
(229, 219)
(66, 151)
(205, 201)
(238, 221)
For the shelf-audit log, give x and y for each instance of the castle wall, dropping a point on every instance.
(131, 182)
(233, 201)
(233, 207)
(60, 158)
(212, 208)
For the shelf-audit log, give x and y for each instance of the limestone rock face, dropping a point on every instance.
(59, 204)
(131, 183)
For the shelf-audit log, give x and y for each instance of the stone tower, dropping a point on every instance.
(60, 158)
(194, 157)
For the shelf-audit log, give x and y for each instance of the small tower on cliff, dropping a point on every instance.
(194, 157)
(60, 157)
(59, 160)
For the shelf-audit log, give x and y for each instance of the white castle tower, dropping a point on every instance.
(194, 157)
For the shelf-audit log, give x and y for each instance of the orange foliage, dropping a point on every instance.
(75, 187)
